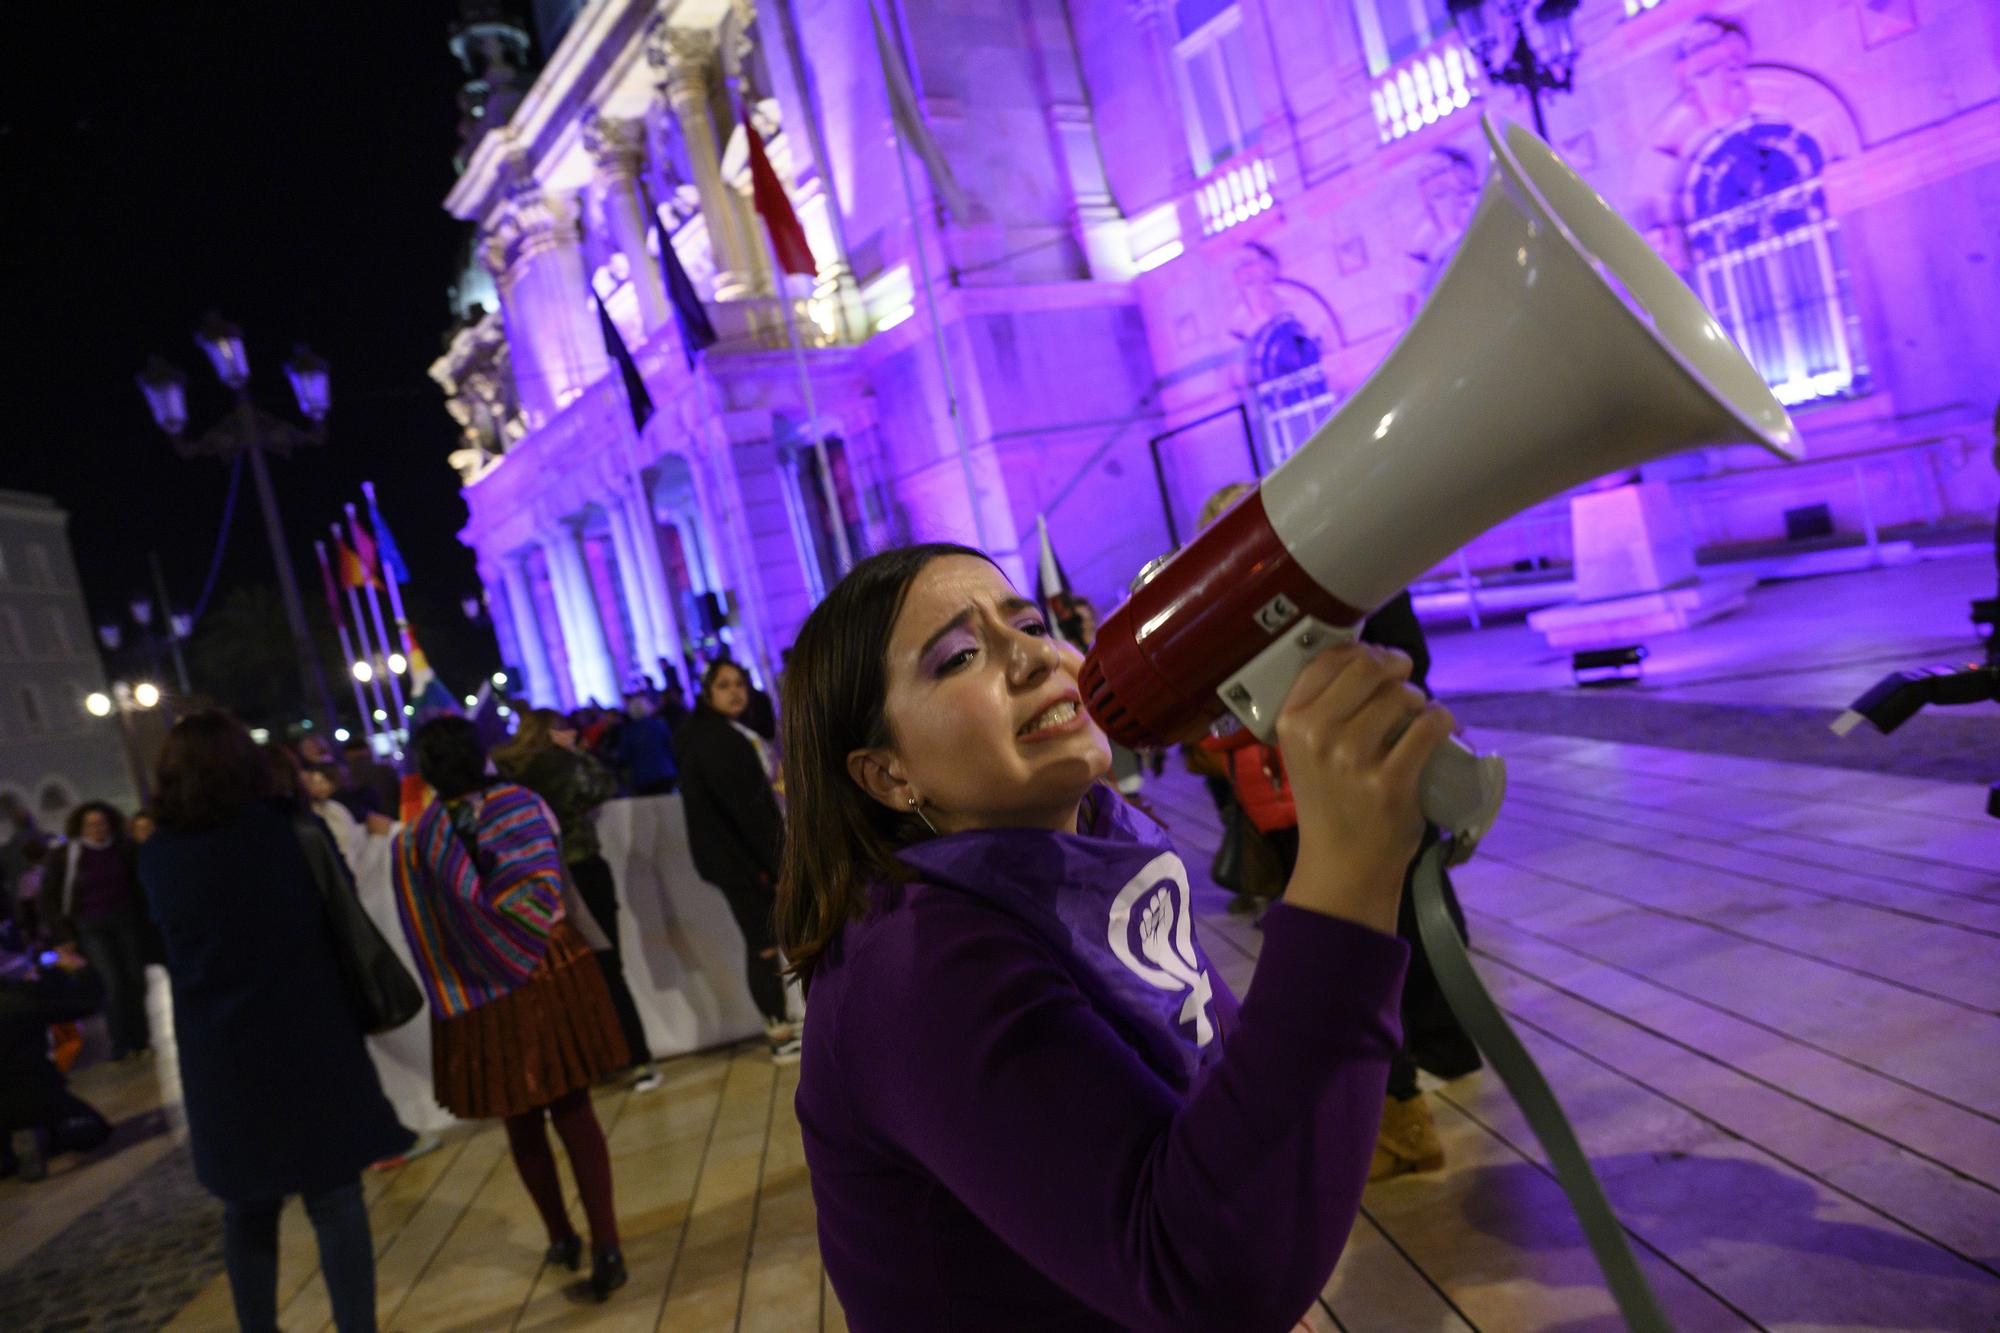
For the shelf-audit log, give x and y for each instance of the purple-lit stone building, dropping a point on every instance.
(1182, 233)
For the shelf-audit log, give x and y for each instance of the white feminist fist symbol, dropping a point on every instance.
(1166, 938)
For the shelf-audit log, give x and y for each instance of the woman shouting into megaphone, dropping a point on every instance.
(1027, 1098)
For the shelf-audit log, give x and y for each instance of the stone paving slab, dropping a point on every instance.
(129, 1263)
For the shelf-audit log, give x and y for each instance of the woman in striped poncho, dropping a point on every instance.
(522, 1024)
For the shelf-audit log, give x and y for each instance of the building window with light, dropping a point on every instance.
(1418, 78)
(1218, 91)
(815, 496)
(1290, 384)
(1394, 30)
(1767, 258)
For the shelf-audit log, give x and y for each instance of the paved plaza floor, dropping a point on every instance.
(1760, 973)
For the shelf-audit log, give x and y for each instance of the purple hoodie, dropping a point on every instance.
(1028, 1102)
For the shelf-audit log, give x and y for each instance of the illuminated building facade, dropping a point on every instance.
(1179, 233)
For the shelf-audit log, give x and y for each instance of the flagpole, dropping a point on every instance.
(842, 551)
(389, 576)
(368, 649)
(397, 718)
(346, 643)
(937, 324)
(660, 645)
(706, 406)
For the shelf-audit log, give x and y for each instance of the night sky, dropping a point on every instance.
(283, 164)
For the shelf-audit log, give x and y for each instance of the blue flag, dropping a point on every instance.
(696, 331)
(386, 554)
(636, 396)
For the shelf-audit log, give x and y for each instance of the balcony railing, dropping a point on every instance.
(1234, 192)
(1424, 89)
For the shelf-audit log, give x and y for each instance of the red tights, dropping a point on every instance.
(589, 1160)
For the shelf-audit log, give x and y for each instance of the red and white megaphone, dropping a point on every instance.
(1557, 347)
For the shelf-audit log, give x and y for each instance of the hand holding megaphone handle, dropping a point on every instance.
(1460, 791)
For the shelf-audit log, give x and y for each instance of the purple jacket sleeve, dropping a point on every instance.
(968, 1049)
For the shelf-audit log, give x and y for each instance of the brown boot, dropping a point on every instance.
(1408, 1140)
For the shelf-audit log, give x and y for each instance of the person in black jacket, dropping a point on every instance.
(33, 1096)
(281, 1095)
(91, 896)
(737, 833)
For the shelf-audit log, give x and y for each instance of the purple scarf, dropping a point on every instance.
(1115, 903)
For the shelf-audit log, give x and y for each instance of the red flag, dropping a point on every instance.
(327, 584)
(355, 570)
(788, 238)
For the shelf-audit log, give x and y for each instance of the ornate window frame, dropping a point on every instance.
(1765, 254)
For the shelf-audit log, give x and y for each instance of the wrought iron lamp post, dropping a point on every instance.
(125, 700)
(249, 430)
(1535, 68)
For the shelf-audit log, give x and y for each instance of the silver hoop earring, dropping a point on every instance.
(917, 809)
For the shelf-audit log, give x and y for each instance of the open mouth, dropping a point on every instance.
(1058, 716)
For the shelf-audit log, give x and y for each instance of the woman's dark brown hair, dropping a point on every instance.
(709, 676)
(210, 771)
(838, 839)
(450, 756)
(74, 826)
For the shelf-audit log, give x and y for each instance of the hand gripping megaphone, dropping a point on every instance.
(1557, 347)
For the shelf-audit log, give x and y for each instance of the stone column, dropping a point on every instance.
(534, 249)
(528, 631)
(635, 511)
(618, 150)
(792, 85)
(686, 61)
(1093, 213)
(638, 607)
(1156, 24)
(591, 672)
(497, 610)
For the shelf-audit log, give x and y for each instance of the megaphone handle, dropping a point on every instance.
(1460, 791)
(1496, 1039)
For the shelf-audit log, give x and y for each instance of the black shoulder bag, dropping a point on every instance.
(381, 993)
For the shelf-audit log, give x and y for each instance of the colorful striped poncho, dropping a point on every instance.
(478, 931)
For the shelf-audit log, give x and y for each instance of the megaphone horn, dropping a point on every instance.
(1557, 347)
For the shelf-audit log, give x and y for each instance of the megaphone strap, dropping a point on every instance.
(1495, 1037)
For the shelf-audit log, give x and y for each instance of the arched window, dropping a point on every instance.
(1293, 396)
(1767, 259)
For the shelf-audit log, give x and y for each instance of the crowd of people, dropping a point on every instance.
(992, 1080)
(501, 893)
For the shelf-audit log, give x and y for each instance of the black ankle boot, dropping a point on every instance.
(566, 1253)
(607, 1272)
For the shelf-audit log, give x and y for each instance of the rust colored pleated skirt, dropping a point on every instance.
(554, 1034)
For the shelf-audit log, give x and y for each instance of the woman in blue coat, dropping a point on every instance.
(281, 1097)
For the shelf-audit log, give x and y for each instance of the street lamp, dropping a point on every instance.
(124, 700)
(1535, 70)
(310, 385)
(174, 628)
(250, 431)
